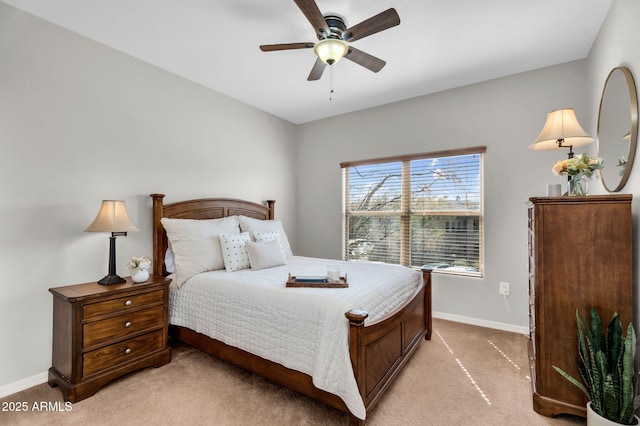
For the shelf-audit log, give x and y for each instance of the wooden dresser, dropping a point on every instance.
(579, 257)
(101, 332)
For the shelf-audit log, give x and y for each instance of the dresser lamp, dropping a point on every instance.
(561, 130)
(113, 218)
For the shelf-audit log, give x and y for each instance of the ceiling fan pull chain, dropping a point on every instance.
(330, 82)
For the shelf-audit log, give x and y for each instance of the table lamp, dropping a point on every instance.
(112, 217)
(561, 130)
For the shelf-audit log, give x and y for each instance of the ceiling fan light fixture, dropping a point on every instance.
(330, 50)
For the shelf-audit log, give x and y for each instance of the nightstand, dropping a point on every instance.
(101, 332)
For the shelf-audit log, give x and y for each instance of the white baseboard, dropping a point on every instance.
(482, 323)
(23, 384)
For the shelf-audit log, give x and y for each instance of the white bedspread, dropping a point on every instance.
(301, 328)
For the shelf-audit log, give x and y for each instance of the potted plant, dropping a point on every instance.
(139, 267)
(607, 369)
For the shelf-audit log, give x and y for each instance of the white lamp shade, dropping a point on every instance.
(112, 217)
(561, 124)
(330, 50)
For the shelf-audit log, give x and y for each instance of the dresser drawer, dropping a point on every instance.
(113, 355)
(114, 305)
(121, 325)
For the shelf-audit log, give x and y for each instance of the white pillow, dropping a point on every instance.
(169, 259)
(195, 244)
(265, 255)
(251, 225)
(234, 251)
(263, 237)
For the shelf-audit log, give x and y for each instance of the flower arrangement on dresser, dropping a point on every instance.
(139, 267)
(578, 168)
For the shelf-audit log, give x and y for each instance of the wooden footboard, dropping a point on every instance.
(380, 350)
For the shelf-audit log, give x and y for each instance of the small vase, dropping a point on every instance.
(139, 275)
(578, 187)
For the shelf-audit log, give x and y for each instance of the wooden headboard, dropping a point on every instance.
(204, 208)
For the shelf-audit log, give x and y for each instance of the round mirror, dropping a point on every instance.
(617, 128)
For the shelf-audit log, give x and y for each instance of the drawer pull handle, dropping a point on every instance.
(127, 351)
(127, 324)
(127, 303)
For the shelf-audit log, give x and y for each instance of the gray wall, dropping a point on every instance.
(80, 122)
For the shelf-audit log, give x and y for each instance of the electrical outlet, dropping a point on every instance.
(503, 289)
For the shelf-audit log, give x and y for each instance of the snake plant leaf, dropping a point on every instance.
(585, 360)
(597, 362)
(610, 398)
(596, 331)
(614, 341)
(628, 390)
(600, 387)
(572, 380)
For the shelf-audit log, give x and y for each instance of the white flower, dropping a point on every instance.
(142, 263)
(579, 166)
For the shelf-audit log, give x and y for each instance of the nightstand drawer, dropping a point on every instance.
(109, 356)
(109, 306)
(122, 325)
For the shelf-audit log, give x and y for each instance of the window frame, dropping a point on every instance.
(405, 214)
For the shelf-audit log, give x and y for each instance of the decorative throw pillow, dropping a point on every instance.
(265, 255)
(251, 225)
(195, 244)
(234, 251)
(263, 237)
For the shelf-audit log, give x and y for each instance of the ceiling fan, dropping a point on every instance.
(333, 34)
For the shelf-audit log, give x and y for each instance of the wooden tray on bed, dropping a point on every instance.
(292, 282)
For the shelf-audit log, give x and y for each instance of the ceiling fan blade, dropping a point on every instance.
(313, 14)
(285, 46)
(383, 20)
(317, 70)
(368, 61)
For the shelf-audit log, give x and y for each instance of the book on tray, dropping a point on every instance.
(311, 279)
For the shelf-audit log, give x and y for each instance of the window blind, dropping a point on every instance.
(417, 210)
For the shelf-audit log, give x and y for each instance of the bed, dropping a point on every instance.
(377, 346)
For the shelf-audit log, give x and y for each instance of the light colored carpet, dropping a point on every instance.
(464, 375)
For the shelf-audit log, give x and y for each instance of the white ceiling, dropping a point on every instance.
(439, 44)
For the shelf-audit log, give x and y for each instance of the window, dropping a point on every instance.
(417, 210)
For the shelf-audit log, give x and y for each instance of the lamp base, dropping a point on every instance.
(111, 279)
